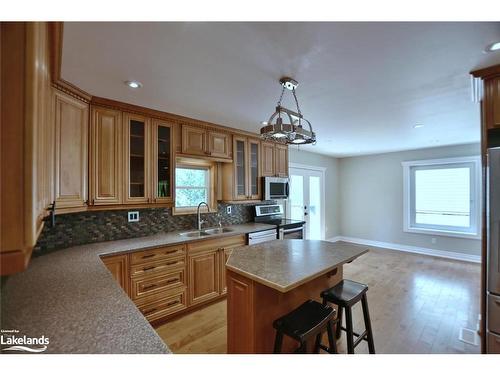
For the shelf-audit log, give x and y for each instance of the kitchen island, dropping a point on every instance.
(268, 280)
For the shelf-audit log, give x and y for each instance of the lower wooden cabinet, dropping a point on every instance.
(203, 269)
(164, 305)
(119, 268)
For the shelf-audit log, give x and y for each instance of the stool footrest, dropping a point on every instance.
(360, 337)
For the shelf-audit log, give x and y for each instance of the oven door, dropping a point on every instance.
(292, 233)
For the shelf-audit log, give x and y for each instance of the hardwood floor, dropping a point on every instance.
(418, 304)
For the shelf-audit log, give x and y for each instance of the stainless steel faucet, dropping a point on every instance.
(200, 222)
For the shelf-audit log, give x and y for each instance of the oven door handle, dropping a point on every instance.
(298, 229)
(287, 189)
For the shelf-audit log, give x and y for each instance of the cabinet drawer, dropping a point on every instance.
(216, 243)
(164, 306)
(493, 345)
(161, 265)
(158, 253)
(153, 284)
(494, 313)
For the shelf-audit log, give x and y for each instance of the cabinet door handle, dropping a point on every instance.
(146, 312)
(172, 303)
(148, 256)
(171, 281)
(148, 268)
(146, 287)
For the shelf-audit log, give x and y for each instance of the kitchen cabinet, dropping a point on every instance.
(118, 265)
(137, 157)
(71, 154)
(162, 163)
(274, 159)
(106, 155)
(226, 249)
(201, 142)
(281, 161)
(241, 179)
(492, 102)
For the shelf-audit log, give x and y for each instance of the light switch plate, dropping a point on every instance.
(133, 216)
(228, 210)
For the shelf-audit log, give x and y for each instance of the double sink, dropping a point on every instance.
(206, 232)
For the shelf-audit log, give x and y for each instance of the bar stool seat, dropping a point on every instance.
(345, 294)
(311, 319)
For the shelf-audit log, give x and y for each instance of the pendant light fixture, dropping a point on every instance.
(288, 125)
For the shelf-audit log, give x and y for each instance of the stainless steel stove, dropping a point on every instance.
(274, 214)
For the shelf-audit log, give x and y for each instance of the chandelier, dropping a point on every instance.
(288, 125)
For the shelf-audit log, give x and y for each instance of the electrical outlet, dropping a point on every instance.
(433, 240)
(228, 210)
(133, 216)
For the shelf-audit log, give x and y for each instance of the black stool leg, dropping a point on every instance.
(317, 343)
(368, 325)
(278, 341)
(338, 328)
(349, 330)
(332, 342)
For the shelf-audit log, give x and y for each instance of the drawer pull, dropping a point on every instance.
(146, 312)
(146, 287)
(171, 251)
(172, 280)
(148, 268)
(170, 263)
(148, 256)
(172, 303)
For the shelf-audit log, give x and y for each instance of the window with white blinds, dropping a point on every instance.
(442, 196)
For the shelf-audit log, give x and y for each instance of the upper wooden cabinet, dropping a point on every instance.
(137, 158)
(106, 155)
(492, 102)
(162, 166)
(71, 153)
(274, 159)
(281, 160)
(242, 178)
(201, 142)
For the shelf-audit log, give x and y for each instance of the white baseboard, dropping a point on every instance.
(410, 249)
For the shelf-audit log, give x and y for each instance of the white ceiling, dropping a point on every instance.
(363, 86)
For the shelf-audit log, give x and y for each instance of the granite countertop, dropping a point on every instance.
(70, 297)
(285, 264)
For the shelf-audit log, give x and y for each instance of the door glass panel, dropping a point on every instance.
(163, 162)
(314, 208)
(240, 168)
(137, 156)
(254, 168)
(296, 197)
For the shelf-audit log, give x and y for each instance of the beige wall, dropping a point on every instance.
(331, 185)
(371, 199)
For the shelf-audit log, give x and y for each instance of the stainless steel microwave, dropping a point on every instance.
(276, 188)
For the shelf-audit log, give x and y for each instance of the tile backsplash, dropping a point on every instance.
(96, 226)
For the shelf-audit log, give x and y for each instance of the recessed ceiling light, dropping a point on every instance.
(417, 126)
(133, 84)
(493, 47)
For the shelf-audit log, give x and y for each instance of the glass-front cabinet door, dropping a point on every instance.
(162, 161)
(253, 169)
(136, 130)
(240, 168)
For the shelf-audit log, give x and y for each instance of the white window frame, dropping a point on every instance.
(206, 187)
(408, 197)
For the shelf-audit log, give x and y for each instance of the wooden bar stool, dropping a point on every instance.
(345, 294)
(311, 319)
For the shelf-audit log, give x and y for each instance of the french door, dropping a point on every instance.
(306, 199)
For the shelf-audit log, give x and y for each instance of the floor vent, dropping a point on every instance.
(469, 336)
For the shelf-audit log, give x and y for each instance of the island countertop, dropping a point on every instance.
(286, 264)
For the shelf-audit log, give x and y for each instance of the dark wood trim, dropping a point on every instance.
(486, 72)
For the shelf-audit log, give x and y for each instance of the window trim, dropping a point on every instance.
(205, 187)
(193, 163)
(476, 194)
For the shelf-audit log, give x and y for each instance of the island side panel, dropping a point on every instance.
(252, 308)
(240, 314)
